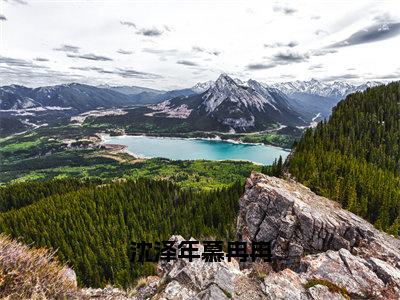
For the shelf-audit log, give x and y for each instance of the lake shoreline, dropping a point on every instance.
(215, 138)
(107, 139)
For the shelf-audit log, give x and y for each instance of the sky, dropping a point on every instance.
(175, 44)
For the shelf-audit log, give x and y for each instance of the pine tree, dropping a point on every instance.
(354, 157)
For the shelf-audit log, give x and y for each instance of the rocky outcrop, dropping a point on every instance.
(316, 238)
(299, 222)
(198, 280)
(320, 251)
(181, 279)
(107, 293)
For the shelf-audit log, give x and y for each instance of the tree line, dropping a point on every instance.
(354, 157)
(93, 225)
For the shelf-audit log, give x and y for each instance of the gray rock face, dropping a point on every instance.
(344, 270)
(316, 238)
(284, 285)
(108, 293)
(320, 251)
(299, 222)
(197, 279)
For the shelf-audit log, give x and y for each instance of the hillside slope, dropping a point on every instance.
(354, 158)
(93, 226)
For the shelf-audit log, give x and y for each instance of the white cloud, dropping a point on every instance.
(178, 45)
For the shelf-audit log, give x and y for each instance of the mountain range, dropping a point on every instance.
(233, 105)
(313, 97)
(73, 96)
(225, 104)
(248, 106)
(336, 90)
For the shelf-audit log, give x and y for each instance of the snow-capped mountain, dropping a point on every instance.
(336, 90)
(250, 105)
(232, 106)
(201, 87)
(223, 105)
(368, 84)
(225, 91)
(315, 99)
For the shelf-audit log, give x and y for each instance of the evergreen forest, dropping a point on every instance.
(354, 157)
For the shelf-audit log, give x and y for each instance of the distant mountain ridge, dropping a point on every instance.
(82, 96)
(143, 95)
(74, 95)
(130, 90)
(315, 99)
(226, 104)
(336, 90)
(202, 86)
(16, 97)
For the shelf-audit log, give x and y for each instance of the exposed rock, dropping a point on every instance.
(284, 285)
(108, 293)
(248, 288)
(386, 272)
(320, 251)
(343, 249)
(344, 270)
(214, 292)
(299, 222)
(198, 278)
(322, 292)
(174, 290)
(145, 289)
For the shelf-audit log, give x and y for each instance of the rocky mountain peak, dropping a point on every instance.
(233, 105)
(312, 224)
(226, 90)
(224, 80)
(253, 83)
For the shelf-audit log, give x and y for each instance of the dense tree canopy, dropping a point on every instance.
(14, 196)
(92, 226)
(354, 158)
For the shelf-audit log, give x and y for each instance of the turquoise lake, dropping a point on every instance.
(190, 149)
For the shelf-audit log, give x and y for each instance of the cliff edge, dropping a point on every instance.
(319, 251)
